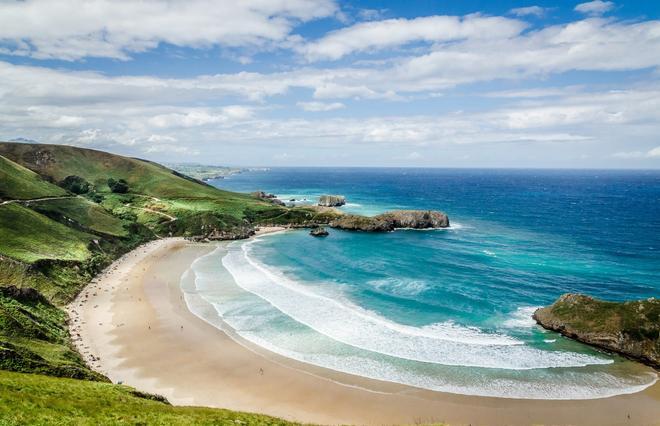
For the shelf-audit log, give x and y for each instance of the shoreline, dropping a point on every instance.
(133, 325)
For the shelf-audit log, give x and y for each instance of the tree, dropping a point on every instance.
(118, 186)
(75, 184)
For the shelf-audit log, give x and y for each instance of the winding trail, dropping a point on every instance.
(34, 200)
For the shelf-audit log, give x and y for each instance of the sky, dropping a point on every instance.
(416, 83)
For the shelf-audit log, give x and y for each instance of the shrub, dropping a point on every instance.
(118, 186)
(75, 184)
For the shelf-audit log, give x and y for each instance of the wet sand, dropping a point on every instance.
(132, 324)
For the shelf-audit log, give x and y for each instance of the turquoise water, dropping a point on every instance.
(450, 309)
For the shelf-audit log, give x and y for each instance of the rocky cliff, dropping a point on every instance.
(630, 328)
(332, 200)
(415, 219)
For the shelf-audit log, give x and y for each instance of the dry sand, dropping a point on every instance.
(132, 324)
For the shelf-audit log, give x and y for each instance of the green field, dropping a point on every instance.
(38, 399)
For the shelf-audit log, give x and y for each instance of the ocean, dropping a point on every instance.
(446, 310)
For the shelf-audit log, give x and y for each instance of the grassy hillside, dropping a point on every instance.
(34, 338)
(28, 236)
(17, 182)
(144, 177)
(83, 214)
(37, 399)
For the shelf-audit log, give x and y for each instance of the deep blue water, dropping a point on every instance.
(450, 309)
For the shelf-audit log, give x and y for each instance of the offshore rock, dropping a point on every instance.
(412, 219)
(332, 200)
(319, 232)
(631, 329)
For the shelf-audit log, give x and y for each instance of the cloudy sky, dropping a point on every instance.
(320, 82)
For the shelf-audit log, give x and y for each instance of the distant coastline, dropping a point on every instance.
(207, 173)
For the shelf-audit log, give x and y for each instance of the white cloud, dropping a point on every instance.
(635, 155)
(320, 106)
(389, 33)
(654, 153)
(588, 45)
(74, 29)
(596, 7)
(537, 11)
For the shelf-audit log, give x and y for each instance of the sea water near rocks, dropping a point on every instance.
(446, 310)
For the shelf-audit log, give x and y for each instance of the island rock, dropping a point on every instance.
(631, 329)
(319, 232)
(397, 219)
(332, 200)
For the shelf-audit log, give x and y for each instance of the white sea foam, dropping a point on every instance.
(400, 286)
(572, 386)
(521, 318)
(444, 343)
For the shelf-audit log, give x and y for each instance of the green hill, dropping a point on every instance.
(31, 236)
(56, 162)
(17, 182)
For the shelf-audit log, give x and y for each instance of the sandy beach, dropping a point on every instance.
(132, 324)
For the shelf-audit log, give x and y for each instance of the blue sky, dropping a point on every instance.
(320, 82)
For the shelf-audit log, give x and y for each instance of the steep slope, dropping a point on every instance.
(28, 236)
(17, 182)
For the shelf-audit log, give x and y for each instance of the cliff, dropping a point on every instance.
(631, 329)
(414, 219)
(332, 200)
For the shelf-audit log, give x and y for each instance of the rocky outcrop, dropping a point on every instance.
(262, 195)
(413, 219)
(332, 200)
(235, 233)
(319, 232)
(631, 329)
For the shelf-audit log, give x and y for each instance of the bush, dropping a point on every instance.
(118, 186)
(75, 184)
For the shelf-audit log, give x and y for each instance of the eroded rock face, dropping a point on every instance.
(629, 328)
(332, 200)
(414, 219)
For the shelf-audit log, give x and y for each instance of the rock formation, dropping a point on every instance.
(332, 200)
(414, 219)
(631, 329)
(262, 195)
(319, 232)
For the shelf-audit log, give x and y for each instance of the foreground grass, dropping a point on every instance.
(37, 399)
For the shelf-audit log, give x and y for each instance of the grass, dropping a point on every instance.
(28, 236)
(84, 213)
(143, 177)
(37, 399)
(19, 183)
(638, 319)
(34, 338)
